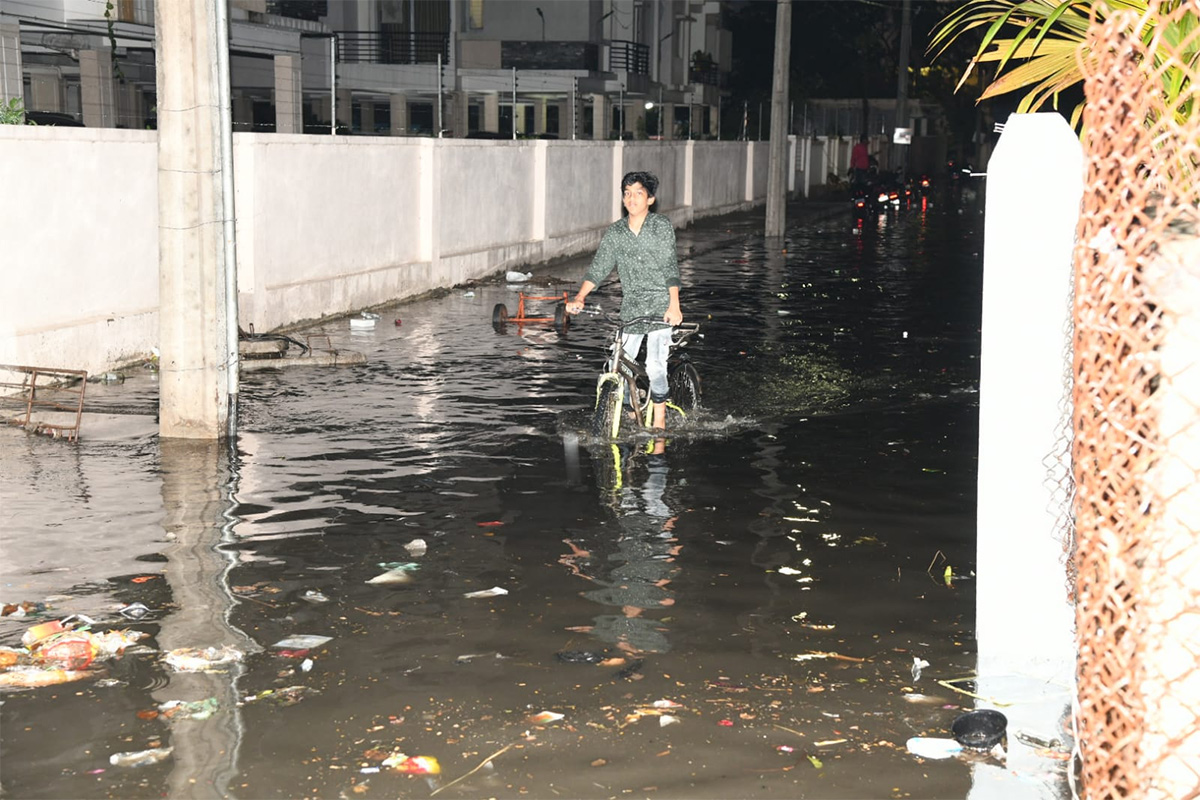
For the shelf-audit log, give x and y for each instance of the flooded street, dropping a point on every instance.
(736, 616)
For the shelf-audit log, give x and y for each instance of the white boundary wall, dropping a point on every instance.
(326, 225)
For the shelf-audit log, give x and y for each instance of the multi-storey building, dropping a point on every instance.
(590, 69)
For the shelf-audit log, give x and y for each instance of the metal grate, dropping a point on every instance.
(42, 400)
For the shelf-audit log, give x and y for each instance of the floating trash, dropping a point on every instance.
(512, 276)
(202, 659)
(32, 677)
(21, 609)
(313, 596)
(933, 748)
(980, 730)
(544, 717)
(495, 591)
(305, 641)
(416, 547)
(44, 630)
(287, 696)
(579, 657)
(134, 611)
(140, 758)
(918, 665)
(189, 709)
(396, 573)
(412, 765)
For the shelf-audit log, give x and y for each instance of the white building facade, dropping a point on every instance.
(567, 69)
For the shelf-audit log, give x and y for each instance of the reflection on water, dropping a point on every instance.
(633, 574)
(196, 488)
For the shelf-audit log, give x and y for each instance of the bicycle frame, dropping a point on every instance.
(629, 378)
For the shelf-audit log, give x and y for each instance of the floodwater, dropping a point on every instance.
(737, 615)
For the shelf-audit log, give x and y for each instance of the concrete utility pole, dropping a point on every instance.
(777, 149)
(900, 150)
(193, 321)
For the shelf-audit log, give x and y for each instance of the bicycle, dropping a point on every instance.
(625, 387)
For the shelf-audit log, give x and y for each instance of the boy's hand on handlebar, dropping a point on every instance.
(574, 306)
(673, 317)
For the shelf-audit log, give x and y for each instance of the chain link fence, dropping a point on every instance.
(1136, 417)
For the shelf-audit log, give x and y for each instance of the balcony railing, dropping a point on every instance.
(629, 57)
(386, 47)
(706, 72)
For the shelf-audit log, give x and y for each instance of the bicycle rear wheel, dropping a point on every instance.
(606, 418)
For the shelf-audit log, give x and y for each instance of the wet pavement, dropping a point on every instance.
(736, 616)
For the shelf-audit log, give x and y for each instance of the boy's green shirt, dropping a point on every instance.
(646, 263)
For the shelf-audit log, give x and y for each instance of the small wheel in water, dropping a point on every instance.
(562, 320)
(500, 317)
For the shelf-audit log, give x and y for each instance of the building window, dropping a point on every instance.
(475, 14)
(552, 119)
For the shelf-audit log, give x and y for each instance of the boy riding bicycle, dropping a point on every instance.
(641, 246)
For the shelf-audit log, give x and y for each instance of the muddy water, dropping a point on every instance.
(735, 616)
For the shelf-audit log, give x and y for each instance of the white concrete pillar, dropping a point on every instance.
(666, 119)
(288, 95)
(618, 172)
(399, 114)
(539, 115)
(601, 121)
(193, 381)
(96, 88)
(10, 60)
(749, 188)
(459, 108)
(689, 162)
(1023, 618)
(538, 234)
(491, 112)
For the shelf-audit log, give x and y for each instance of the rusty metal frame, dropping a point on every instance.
(42, 390)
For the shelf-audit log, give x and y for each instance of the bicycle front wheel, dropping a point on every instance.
(685, 387)
(606, 418)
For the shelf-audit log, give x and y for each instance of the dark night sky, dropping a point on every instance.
(840, 48)
(847, 49)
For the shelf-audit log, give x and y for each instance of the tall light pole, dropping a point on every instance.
(899, 150)
(777, 147)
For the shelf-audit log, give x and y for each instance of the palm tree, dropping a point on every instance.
(1044, 40)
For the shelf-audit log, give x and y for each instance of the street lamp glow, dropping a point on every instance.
(649, 105)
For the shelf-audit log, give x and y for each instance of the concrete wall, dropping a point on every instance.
(326, 225)
(719, 172)
(79, 248)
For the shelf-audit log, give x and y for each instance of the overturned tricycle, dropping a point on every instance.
(559, 319)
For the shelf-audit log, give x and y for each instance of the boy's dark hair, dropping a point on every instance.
(647, 180)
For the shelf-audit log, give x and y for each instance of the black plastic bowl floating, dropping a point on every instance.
(979, 730)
